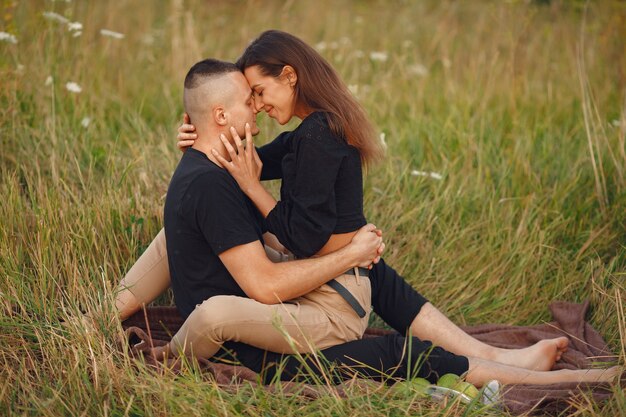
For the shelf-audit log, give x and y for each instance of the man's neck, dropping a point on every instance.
(208, 141)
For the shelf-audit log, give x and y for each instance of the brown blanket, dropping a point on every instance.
(586, 346)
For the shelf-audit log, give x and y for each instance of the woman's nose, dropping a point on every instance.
(258, 104)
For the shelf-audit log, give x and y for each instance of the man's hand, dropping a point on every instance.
(367, 246)
(186, 134)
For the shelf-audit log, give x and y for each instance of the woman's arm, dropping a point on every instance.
(307, 219)
(245, 166)
(272, 154)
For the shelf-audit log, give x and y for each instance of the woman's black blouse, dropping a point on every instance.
(322, 186)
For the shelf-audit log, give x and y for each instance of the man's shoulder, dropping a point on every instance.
(194, 167)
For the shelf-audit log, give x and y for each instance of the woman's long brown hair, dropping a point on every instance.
(318, 88)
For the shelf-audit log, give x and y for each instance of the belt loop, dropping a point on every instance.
(356, 274)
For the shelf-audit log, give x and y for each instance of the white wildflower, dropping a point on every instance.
(446, 62)
(85, 122)
(77, 34)
(7, 37)
(359, 20)
(378, 56)
(616, 123)
(418, 69)
(354, 89)
(49, 81)
(432, 175)
(55, 17)
(321, 46)
(20, 69)
(72, 87)
(344, 40)
(111, 34)
(74, 26)
(382, 140)
(333, 45)
(359, 54)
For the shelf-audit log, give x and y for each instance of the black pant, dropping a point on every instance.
(397, 303)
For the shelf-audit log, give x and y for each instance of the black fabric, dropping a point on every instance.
(322, 188)
(206, 213)
(393, 299)
(383, 358)
(272, 156)
(363, 272)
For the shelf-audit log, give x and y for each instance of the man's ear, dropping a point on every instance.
(219, 115)
(289, 75)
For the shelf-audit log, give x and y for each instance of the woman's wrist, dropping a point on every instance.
(254, 188)
(261, 198)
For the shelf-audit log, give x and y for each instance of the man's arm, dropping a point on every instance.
(271, 283)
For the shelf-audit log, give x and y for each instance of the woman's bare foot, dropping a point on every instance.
(539, 357)
(609, 375)
(481, 371)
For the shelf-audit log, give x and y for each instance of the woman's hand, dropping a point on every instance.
(244, 165)
(186, 134)
(367, 246)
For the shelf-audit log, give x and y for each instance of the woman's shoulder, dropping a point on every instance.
(317, 120)
(316, 127)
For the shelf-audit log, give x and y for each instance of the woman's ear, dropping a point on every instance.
(289, 74)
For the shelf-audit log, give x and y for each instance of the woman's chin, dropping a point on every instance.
(280, 121)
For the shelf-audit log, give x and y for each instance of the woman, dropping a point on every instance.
(321, 195)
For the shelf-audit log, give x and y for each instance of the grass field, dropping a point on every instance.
(519, 106)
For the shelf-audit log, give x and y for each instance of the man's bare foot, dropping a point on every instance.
(156, 352)
(539, 357)
(160, 352)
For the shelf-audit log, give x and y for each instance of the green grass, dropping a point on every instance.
(520, 106)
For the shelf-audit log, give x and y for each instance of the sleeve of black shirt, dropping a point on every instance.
(221, 212)
(272, 155)
(306, 220)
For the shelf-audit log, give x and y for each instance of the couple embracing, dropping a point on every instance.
(303, 273)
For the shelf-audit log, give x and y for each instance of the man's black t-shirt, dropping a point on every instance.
(206, 213)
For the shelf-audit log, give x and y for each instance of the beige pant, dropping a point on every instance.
(317, 320)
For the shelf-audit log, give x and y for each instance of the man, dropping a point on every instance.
(211, 226)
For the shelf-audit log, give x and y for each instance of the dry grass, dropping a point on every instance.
(520, 106)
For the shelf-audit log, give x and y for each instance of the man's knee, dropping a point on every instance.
(219, 316)
(214, 310)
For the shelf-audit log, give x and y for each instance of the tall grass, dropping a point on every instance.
(519, 106)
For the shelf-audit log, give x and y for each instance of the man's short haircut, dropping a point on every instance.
(207, 68)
